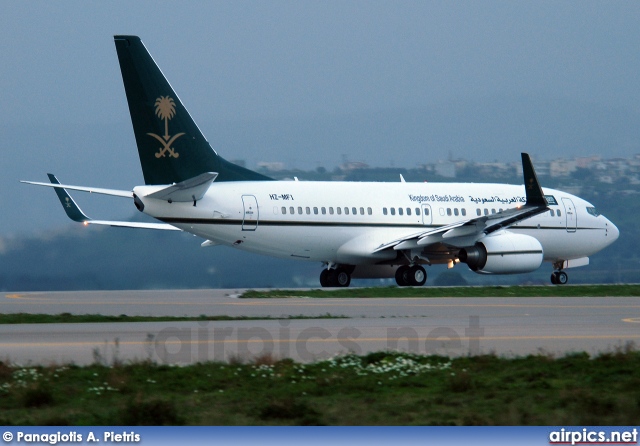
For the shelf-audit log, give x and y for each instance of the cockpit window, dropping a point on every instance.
(592, 211)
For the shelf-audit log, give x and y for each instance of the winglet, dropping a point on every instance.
(535, 197)
(70, 207)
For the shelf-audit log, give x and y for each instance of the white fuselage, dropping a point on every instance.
(344, 222)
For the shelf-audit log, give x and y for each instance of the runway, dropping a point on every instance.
(449, 326)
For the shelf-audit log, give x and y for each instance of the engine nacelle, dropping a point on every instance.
(504, 253)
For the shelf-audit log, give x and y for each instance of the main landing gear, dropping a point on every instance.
(338, 277)
(411, 275)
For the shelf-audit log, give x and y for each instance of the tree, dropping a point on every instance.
(165, 109)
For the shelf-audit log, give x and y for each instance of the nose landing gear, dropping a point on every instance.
(559, 278)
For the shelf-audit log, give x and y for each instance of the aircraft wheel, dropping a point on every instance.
(324, 278)
(339, 278)
(559, 278)
(417, 275)
(403, 276)
(562, 278)
(335, 278)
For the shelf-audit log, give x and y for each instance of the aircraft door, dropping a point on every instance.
(251, 214)
(570, 213)
(426, 214)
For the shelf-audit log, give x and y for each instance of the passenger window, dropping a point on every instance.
(292, 210)
(315, 210)
(369, 211)
(308, 210)
(384, 211)
(339, 210)
(417, 211)
(493, 211)
(449, 212)
(331, 211)
(486, 211)
(300, 210)
(323, 210)
(400, 212)
(553, 214)
(346, 211)
(284, 210)
(478, 212)
(393, 211)
(354, 211)
(408, 211)
(455, 212)
(464, 212)
(426, 211)
(361, 211)
(559, 214)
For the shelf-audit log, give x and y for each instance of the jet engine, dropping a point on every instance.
(504, 253)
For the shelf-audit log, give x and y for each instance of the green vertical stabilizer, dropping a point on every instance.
(171, 147)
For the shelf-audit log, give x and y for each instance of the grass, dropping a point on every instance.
(26, 318)
(379, 388)
(484, 291)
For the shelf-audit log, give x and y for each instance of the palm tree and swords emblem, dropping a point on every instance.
(166, 110)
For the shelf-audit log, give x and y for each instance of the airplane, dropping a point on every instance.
(354, 229)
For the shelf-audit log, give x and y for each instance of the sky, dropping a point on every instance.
(309, 83)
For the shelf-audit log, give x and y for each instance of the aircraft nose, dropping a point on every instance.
(612, 232)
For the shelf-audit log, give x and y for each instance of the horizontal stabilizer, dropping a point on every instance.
(91, 190)
(192, 189)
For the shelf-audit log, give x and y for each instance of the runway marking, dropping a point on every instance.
(40, 300)
(319, 340)
(633, 320)
(19, 296)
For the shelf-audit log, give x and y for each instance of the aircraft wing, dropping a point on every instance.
(466, 232)
(76, 214)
